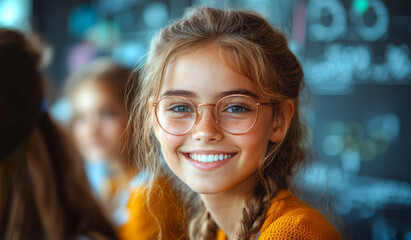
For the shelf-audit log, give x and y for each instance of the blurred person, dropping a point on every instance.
(99, 118)
(44, 192)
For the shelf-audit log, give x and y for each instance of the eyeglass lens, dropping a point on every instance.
(234, 114)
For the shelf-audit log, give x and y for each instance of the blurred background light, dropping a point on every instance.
(155, 14)
(80, 54)
(398, 60)
(61, 110)
(387, 125)
(15, 14)
(360, 6)
(103, 35)
(370, 20)
(129, 53)
(326, 20)
(81, 19)
(351, 161)
(333, 145)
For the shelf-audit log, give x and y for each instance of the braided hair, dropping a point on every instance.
(259, 52)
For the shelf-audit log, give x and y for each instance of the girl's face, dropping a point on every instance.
(99, 120)
(203, 77)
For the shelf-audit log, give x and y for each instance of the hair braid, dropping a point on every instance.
(202, 226)
(254, 213)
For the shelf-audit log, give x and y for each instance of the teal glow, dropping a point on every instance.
(361, 6)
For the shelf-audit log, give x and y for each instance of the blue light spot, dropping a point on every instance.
(317, 30)
(351, 161)
(333, 145)
(82, 18)
(361, 6)
(316, 175)
(15, 14)
(61, 111)
(155, 14)
(129, 53)
(387, 125)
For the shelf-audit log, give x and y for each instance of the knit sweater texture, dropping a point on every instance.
(290, 218)
(165, 210)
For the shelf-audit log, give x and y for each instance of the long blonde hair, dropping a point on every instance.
(259, 52)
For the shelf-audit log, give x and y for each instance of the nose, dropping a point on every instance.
(207, 129)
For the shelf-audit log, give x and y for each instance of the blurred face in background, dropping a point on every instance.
(99, 119)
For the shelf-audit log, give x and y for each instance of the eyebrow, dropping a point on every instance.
(185, 93)
(239, 91)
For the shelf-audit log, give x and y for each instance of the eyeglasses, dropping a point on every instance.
(235, 114)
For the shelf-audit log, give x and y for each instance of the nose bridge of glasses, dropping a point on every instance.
(211, 105)
(206, 105)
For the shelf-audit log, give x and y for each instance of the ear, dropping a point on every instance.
(282, 119)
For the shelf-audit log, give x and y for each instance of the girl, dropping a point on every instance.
(219, 102)
(43, 189)
(99, 119)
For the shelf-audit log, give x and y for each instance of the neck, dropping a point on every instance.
(226, 208)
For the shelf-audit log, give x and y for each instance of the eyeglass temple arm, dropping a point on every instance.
(265, 104)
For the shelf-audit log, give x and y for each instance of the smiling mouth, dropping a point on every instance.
(210, 157)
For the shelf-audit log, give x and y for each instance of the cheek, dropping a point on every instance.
(253, 146)
(255, 142)
(113, 128)
(169, 148)
(169, 143)
(79, 131)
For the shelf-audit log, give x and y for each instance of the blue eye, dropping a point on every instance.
(180, 108)
(237, 109)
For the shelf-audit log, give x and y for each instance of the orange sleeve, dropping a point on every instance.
(221, 235)
(290, 218)
(300, 224)
(166, 208)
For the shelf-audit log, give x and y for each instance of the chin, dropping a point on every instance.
(207, 189)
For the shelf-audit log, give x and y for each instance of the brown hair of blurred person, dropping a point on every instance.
(43, 188)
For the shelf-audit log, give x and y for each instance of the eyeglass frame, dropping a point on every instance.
(214, 105)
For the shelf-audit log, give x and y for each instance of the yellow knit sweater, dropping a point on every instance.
(166, 207)
(290, 218)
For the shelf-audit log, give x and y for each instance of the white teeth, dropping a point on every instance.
(210, 157)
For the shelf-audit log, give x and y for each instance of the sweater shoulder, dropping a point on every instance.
(300, 224)
(290, 218)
